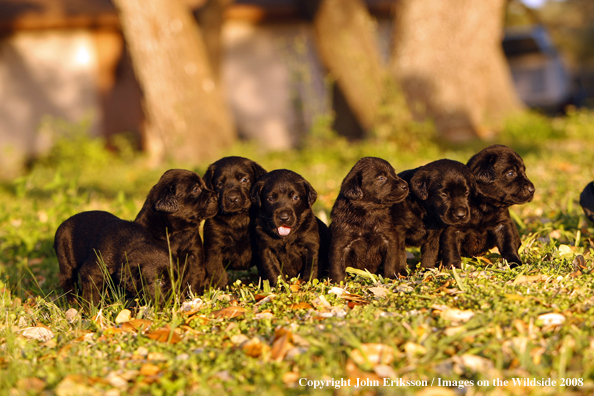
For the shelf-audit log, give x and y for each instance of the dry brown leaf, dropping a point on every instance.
(149, 369)
(301, 305)
(355, 373)
(125, 315)
(254, 347)
(135, 325)
(379, 291)
(529, 278)
(281, 344)
(290, 377)
(40, 333)
(30, 385)
(373, 354)
(295, 287)
(456, 315)
(164, 334)
(229, 312)
(259, 297)
(75, 385)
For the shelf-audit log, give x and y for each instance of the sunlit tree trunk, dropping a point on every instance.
(447, 55)
(187, 117)
(347, 43)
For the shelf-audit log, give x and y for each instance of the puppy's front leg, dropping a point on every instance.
(450, 244)
(430, 249)
(508, 242)
(270, 266)
(310, 263)
(338, 253)
(395, 258)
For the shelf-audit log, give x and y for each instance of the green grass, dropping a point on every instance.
(480, 323)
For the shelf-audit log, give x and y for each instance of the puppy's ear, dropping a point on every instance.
(483, 168)
(419, 185)
(312, 194)
(166, 200)
(351, 187)
(208, 176)
(258, 171)
(255, 193)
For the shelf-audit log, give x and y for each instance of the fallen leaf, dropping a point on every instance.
(116, 381)
(384, 371)
(529, 278)
(404, 289)
(355, 373)
(30, 385)
(266, 299)
(336, 290)
(75, 385)
(38, 333)
(515, 297)
(476, 364)
(124, 316)
(239, 339)
(290, 377)
(414, 350)
(136, 325)
(321, 302)
(281, 344)
(164, 334)
(72, 315)
(373, 354)
(457, 315)
(295, 287)
(301, 305)
(264, 315)
(149, 369)
(254, 347)
(191, 307)
(551, 319)
(379, 291)
(229, 312)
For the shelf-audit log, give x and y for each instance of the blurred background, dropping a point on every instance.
(186, 79)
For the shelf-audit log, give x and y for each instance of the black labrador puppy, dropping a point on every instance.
(227, 241)
(587, 201)
(160, 247)
(289, 240)
(501, 182)
(439, 197)
(361, 231)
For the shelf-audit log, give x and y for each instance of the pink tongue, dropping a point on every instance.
(284, 231)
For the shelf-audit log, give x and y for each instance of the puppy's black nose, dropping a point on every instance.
(531, 188)
(233, 197)
(284, 216)
(461, 213)
(404, 186)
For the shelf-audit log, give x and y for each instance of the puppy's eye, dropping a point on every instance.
(382, 178)
(510, 173)
(296, 198)
(270, 199)
(244, 180)
(196, 189)
(443, 194)
(219, 184)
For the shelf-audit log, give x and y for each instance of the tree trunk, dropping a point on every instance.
(447, 55)
(187, 116)
(347, 44)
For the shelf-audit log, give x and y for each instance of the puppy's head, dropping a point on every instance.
(283, 200)
(445, 187)
(501, 176)
(373, 181)
(232, 179)
(182, 194)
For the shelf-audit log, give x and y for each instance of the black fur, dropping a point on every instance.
(288, 239)
(227, 240)
(361, 232)
(439, 197)
(136, 253)
(501, 182)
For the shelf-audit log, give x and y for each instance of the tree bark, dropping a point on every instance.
(347, 44)
(447, 55)
(187, 117)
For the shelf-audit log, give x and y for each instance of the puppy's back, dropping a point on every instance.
(74, 240)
